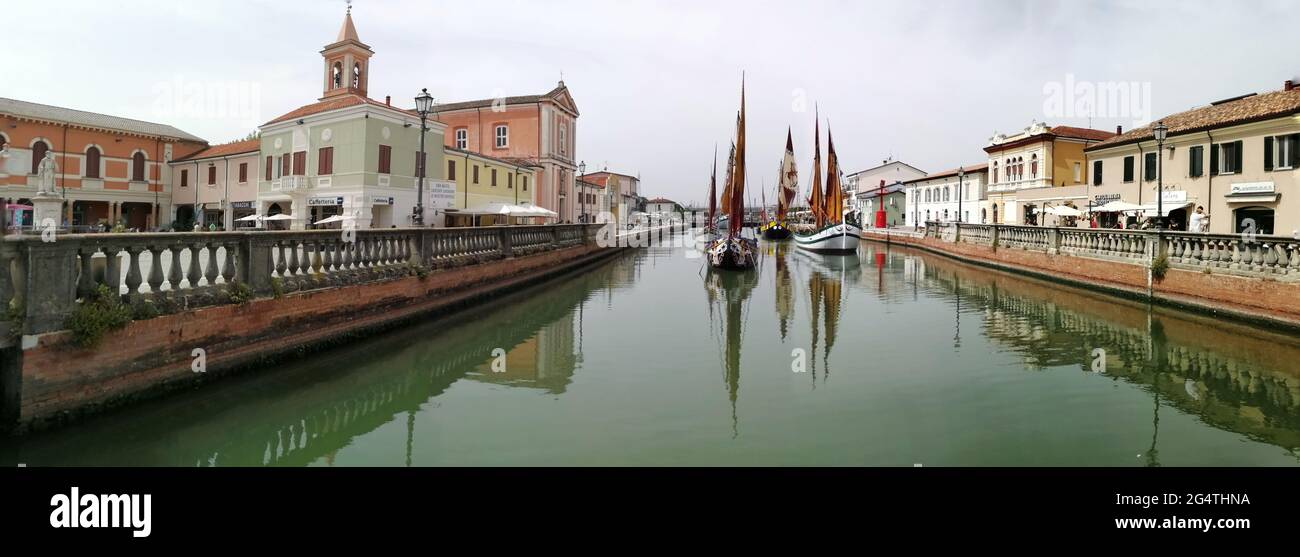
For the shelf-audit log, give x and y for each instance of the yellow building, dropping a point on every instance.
(482, 181)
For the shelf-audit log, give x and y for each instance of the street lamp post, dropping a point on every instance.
(423, 104)
(582, 195)
(1161, 131)
(961, 179)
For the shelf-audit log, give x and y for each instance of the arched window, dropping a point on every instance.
(995, 172)
(927, 195)
(995, 213)
(38, 154)
(356, 75)
(1033, 166)
(945, 198)
(92, 162)
(984, 216)
(137, 167)
(337, 76)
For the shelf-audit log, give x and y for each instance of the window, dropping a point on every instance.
(243, 173)
(300, 163)
(420, 160)
(1196, 161)
(462, 138)
(1033, 166)
(523, 184)
(337, 75)
(564, 139)
(1149, 162)
(476, 174)
(325, 161)
(451, 170)
(269, 165)
(502, 136)
(1128, 169)
(1225, 158)
(1078, 173)
(92, 162)
(185, 178)
(1096, 173)
(385, 159)
(38, 154)
(212, 174)
(1280, 152)
(510, 181)
(284, 169)
(494, 177)
(137, 167)
(995, 172)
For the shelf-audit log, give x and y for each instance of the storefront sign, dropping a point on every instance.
(241, 204)
(380, 200)
(324, 201)
(442, 194)
(1251, 187)
(1176, 196)
(1104, 198)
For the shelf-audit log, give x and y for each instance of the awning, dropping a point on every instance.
(1149, 209)
(1118, 207)
(1252, 198)
(1063, 211)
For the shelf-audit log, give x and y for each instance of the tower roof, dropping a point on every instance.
(349, 31)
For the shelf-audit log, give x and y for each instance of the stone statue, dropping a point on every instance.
(45, 175)
(4, 159)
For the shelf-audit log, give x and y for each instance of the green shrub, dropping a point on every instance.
(1160, 266)
(418, 269)
(277, 287)
(99, 313)
(239, 292)
(144, 309)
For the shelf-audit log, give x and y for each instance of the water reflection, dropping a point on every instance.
(727, 293)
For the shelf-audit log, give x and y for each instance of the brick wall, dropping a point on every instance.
(1266, 301)
(60, 380)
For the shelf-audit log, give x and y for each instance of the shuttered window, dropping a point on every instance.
(300, 163)
(243, 173)
(451, 170)
(1280, 152)
(270, 162)
(475, 174)
(325, 161)
(285, 167)
(1149, 166)
(137, 167)
(1096, 173)
(420, 160)
(38, 154)
(185, 178)
(385, 159)
(1225, 158)
(92, 162)
(494, 177)
(1128, 169)
(212, 174)
(1196, 161)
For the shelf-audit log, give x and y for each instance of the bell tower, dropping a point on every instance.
(347, 62)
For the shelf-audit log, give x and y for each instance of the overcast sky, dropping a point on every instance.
(658, 83)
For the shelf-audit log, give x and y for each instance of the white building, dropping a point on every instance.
(938, 197)
(864, 184)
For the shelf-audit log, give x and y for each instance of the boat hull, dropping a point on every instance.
(832, 238)
(734, 254)
(776, 231)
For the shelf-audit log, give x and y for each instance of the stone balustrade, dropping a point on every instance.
(1234, 254)
(42, 281)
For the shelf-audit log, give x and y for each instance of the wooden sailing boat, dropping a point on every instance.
(831, 234)
(731, 251)
(787, 186)
(711, 223)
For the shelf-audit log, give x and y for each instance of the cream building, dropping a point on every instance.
(1037, 168)
(1237, 158)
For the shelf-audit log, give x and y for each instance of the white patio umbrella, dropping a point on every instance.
(335, 218)
(279, 216)
(1064, 211)
(249, 218)
(1117, 207)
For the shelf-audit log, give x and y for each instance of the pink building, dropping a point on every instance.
(536, 130)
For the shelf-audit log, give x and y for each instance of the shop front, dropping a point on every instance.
(241, 209)
(1254, 206)
(320, 208)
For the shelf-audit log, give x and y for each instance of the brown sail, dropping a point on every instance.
(816, 201)
(834, 198)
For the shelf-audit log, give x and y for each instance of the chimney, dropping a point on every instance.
(1119, 130)
(388, 100)
(1289, 85)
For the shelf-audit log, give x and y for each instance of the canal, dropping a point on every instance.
(893, 357)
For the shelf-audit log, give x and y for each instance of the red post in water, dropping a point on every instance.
(880, 212)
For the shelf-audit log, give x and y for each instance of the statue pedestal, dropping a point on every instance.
(47, 207)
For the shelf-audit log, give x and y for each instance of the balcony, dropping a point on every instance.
(293, 183)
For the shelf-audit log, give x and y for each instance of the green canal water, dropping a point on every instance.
(891, 357)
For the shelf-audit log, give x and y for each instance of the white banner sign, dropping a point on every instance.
(1251, 187)
(442, 194)
(380, 200)
(1176, 196)
(324, 201)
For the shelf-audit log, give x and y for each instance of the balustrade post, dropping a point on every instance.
(507, 248)
(1053, 241)
(257, 265)
(994, 235)
(555, 236)
(50, 284)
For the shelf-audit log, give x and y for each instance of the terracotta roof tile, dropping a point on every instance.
(1249, 109)
(1082, 133)
(233, 148)
(971, 169)
(334, 103)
